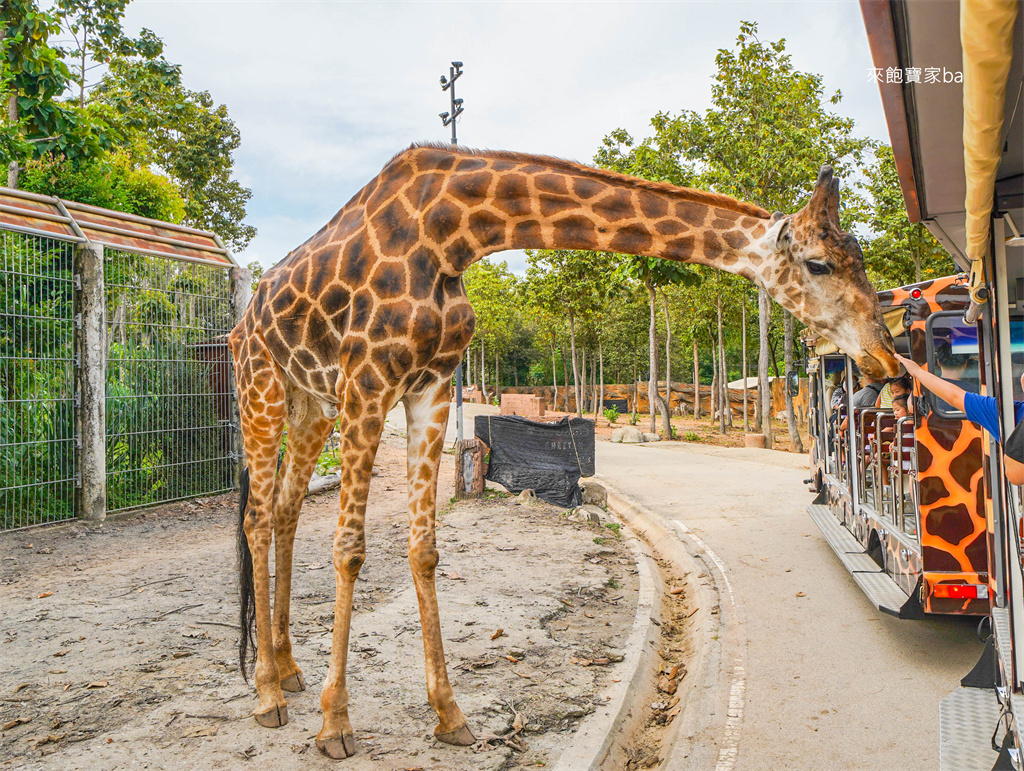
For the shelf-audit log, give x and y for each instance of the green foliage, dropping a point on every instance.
(113, 182)
(634, 418)
(691, 436)
(611, 414)
(897, 252)
(257, 273)
(615, 527)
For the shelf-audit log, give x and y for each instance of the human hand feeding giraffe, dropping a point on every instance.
(371, 311)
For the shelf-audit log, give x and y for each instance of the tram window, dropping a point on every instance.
(953, 356)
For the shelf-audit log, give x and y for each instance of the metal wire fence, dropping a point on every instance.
(37, 374)
(169, 389)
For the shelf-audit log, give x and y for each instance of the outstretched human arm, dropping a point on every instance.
(948, 392)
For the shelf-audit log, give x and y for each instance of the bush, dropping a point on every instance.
(690, 436)
(634, 418)
(611, 414)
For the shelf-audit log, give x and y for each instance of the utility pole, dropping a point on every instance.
(448, 119)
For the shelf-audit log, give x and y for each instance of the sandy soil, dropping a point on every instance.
(696, 431)
(118, 641)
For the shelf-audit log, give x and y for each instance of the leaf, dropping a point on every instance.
(16, 722)
(45, 594)
(97, 684)
(497, 634)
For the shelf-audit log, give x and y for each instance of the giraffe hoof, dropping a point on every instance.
(460, 737)
(293, 683)
(337, 747)
(275, 717)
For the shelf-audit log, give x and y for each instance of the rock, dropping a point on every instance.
(651, 437)
(754, 440)
(588, 512)
(628, 435)
(594, 493)
(526, 497)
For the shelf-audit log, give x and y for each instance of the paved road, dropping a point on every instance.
(831, 682)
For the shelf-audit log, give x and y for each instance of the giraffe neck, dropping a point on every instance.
(494, 202)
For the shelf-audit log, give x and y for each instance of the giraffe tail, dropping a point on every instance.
(246, 589)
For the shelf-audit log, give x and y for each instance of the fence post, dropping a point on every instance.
(241, 295)
(90, 386)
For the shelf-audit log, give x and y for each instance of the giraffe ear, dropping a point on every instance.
(778, 236)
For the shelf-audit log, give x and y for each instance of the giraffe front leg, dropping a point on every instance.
(427, 419)
(307, 431)
(362, 426)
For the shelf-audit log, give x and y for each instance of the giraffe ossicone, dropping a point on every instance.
(371, 311)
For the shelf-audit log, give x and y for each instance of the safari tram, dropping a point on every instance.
(900, 495)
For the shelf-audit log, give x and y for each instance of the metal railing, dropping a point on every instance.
(116, 386)
(37, 380)
(168, 386)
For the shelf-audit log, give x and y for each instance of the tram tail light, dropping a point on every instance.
(960, 591)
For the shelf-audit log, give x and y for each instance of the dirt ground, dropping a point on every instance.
(119, 641)
(700, 431)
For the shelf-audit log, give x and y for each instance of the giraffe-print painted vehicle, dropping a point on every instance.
(908, 490)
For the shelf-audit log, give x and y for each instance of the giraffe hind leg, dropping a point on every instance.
(261, 410)
(427, 418)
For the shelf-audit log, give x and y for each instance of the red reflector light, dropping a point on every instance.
(916, 294)
(958, 591)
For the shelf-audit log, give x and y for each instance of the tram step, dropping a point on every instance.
(884, 593)
(967, 718)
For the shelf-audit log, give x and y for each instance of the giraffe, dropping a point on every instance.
(371, 311)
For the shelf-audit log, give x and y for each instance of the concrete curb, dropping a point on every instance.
(706, 732)
(599, 733)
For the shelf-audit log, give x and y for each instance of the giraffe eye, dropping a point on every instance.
(818, 268)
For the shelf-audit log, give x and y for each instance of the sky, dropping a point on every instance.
(325, 93)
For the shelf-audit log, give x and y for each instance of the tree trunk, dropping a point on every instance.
(746, 421)
(575, 366)
(600, 357)
(497, 379)
(583, 384)
(668, 353)
(12, 117)
(715, 392)
(723, 386)
(554, 377)
(696, 380)
(565, 388)
(794, 435)
(652, 386)
(764, 389)
(636, 382)
(483, 373)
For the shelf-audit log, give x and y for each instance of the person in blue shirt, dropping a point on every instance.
(979, 409)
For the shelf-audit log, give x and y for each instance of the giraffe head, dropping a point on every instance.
(819, 277)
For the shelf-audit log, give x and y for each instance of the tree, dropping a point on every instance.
(490, 287)
(35, 76)
(95, 26)
(763, 140)
(619, 153)
(897, 252)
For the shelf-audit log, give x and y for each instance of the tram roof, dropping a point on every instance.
(926, 119)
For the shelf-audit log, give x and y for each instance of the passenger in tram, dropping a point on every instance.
(896, 387)
(1013, 452)
(865, 397)
(983, 410)
(901, 406)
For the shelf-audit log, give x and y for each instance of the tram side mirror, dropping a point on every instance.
(793, 383)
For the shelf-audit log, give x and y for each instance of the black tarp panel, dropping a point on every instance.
(548, 458)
